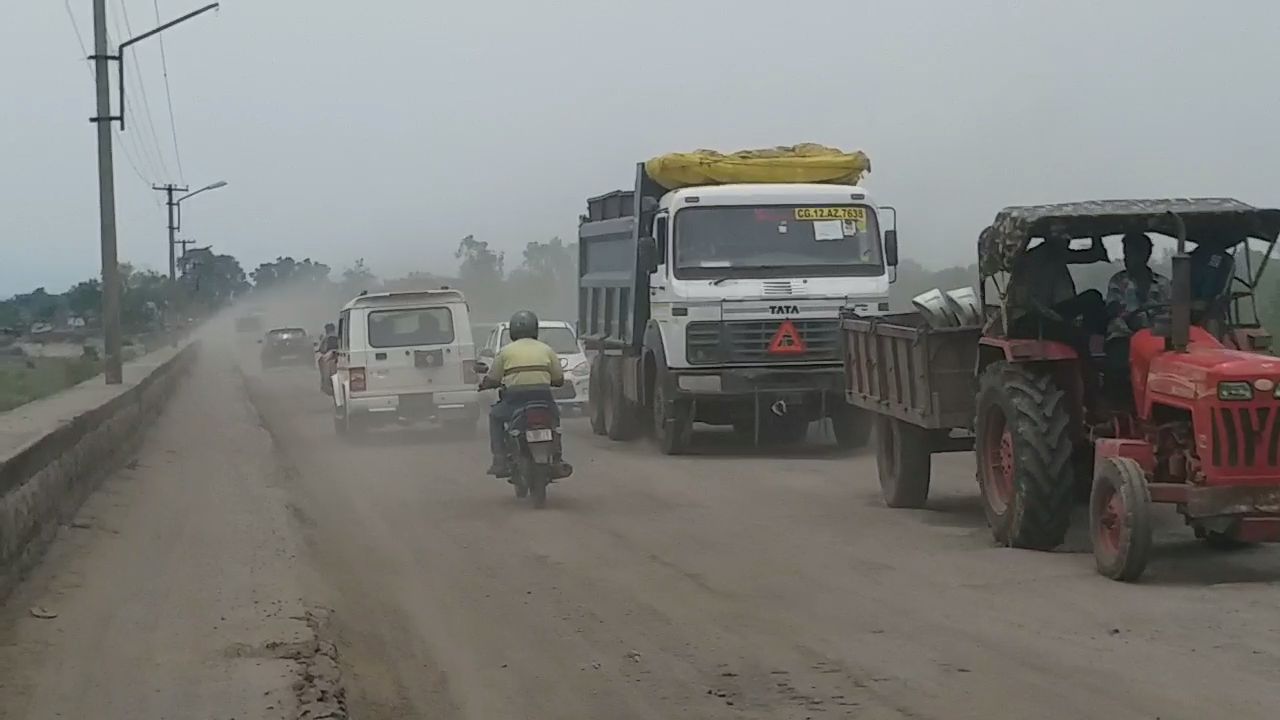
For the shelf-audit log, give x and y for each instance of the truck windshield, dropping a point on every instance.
(777, 241)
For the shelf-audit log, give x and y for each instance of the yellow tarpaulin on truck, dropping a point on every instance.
(806, 163)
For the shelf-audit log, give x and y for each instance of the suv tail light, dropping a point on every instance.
(538, 418)
(358, 380)
(469, 371)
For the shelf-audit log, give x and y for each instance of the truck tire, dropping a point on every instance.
(672, 421)
(1120, 519)
(851, 426)
(595, 398)
(1023, 449)
(620, 418)
(904, 462)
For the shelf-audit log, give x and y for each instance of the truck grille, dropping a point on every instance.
(747, 341)
(1245, 437)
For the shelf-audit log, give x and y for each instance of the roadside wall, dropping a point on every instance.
(55, 451)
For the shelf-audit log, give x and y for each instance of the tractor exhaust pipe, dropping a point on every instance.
(1180, 329)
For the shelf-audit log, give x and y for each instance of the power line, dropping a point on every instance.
(168, 96)
(135, 66)
(84, 53)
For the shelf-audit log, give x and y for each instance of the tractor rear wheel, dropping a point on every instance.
(1023, 449)
(1120, 519)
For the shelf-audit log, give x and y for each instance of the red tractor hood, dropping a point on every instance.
(1195, 374)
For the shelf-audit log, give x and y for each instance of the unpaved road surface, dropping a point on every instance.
(729, 584)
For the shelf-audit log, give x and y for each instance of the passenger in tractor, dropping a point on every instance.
(1136, 297)
(1043, 296)
(1212, 269)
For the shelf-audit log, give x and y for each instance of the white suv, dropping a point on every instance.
(405, 357)
(563, 339)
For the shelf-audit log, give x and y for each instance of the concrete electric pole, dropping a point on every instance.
(107, 198)
(106, 177)
(172, 206)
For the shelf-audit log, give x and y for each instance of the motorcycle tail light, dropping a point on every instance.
(538, 418)
(358, 383)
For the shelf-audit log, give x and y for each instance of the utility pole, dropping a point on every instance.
(107, 198)
(172, 205)
(185, 244)
(113, 369)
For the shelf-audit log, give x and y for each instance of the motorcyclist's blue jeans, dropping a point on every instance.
(512, 399)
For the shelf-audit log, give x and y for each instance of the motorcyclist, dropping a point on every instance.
(525, 369)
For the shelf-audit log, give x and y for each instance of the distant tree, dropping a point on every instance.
(481, 275)
(84, 299)
(144, 297)
(546, 278)
(358, 278)
(287, 270)
(210, 279)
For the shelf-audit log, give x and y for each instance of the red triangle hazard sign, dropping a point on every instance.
(787, 341)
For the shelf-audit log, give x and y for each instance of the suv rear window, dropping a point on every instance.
(403, 328)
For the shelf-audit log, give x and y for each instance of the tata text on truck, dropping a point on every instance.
(719, 302)
(1192, 419)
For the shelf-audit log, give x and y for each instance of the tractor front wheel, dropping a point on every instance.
(1120, 519)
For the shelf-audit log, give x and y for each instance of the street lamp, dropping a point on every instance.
(175, 215)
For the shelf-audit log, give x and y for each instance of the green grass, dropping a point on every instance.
(20, 384)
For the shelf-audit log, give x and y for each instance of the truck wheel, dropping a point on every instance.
(1120, 519)
(1023, 448)
(786, 431)
(620, 420)
(672, 423)
(852, 427)
(904, 462)
(595, 398)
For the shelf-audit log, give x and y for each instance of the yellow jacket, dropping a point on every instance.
(526, 362)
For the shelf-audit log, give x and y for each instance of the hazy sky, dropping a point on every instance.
(389, 129)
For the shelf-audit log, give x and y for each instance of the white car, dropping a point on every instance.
(405, 357)
(561, 337)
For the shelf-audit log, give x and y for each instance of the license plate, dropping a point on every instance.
(538, 435)
(831, 213)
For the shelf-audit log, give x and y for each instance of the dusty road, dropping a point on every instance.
(724, 585)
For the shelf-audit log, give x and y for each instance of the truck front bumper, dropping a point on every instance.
(741, 381)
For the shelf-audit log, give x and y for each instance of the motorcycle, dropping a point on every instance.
(534, 450)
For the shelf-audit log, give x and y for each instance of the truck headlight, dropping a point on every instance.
(583, 368)
(1236, 390)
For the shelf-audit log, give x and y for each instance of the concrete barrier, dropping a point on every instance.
(55, 451)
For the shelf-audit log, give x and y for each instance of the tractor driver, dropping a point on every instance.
(1136, 296)
(1043, 297)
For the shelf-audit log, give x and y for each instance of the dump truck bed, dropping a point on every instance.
(897, 365)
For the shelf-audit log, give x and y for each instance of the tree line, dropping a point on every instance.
(544, 279)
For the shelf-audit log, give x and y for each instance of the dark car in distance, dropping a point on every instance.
(286, 346)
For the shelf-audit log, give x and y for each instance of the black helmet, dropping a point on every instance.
(524, 324)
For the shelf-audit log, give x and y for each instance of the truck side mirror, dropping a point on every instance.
(891, 247)
(648, 254)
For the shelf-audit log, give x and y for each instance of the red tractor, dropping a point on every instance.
(1184, 410)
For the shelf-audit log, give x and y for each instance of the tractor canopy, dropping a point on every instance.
(1218, 222)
